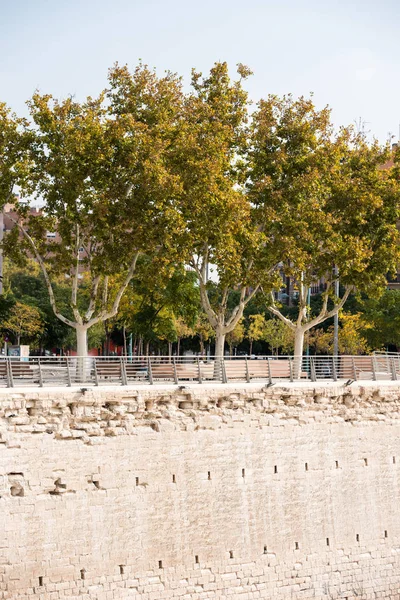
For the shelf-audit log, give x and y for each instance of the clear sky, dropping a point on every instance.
(346, 51)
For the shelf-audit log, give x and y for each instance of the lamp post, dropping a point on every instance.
(336, 317)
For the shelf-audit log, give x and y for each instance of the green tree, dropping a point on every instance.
(23, 321)
(351, 336)
(278, 336)
(28, 286)
(14, 142)
(219, 238)
(382, 319)
(155, 303)
(101, 169)
(324, 201)
(236, 336)
(183, 330)
(256, 329)
(204, 330)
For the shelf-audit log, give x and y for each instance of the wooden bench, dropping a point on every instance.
(355, 367)
(365, 367)
(22, 372)
(136, 371)
(184, 371)
(109, 370)
(3, 371)
(259, 369)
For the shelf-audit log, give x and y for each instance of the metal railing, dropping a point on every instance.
(105, 370)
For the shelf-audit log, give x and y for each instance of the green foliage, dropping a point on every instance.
(24, 322)
(31, 290)
(144, 179)
(155, 307)
(14, 143)
(351, 336)
(236, 336)
(322, 200)
(278, 336)
(101, 168)
(219, 238)
(381, 317)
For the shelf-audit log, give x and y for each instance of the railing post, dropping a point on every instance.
(312, 369)
(269, 371)
(199, 370)
(373, 369)
(247, 371)
(123, 372)
(96, 375)
(69, 372)
(223, 373)
(334, 372)
(290, 369)
(40, 373)
(149, 370)
(393, 368)
(10, 379)
(175, 371)
(354, 368)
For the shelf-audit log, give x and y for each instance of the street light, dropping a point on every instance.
(336, 317)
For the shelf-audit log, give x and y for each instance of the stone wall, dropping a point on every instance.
(228, 492)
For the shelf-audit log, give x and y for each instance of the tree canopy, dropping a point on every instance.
(324, 202)
(146, 178)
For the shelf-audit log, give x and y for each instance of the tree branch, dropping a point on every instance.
(104, 298)
(275, 311)
(45, 275)
(93, 298)
(200, 272)
(323, 315)
(103, 315)
(74, 290)
(237, 313)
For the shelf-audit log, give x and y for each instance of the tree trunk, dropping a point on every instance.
(147, 348)
(178, 346)
(219, 343)
(251, 347)
(219, 353)
(81, 341)
(201, 346)
(82, 352)
(298, 352)
(169, 351)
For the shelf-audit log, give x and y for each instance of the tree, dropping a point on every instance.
(382, 319)
(236, 336)
(158, 301)
(256, 329)
(23, 322)
(219, 237)
(101, 169)
(28, 286)
(182, 331)
(13, 145)
(351, 336)
(204, 330)
(278, 336)
(324, 202)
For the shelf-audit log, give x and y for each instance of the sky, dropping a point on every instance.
(345, 52)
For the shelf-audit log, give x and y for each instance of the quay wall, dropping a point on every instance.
(201, 492)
